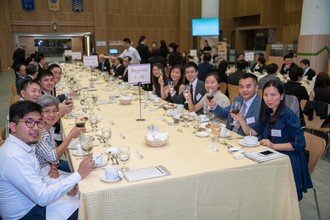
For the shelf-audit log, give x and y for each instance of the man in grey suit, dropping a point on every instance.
(250, 102)
(197, 88)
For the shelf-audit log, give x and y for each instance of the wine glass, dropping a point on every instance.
(80, 121)
(106, 134)
(86, 143)
(123, 156)
(186, 92)
(185, 115)
(93, 120)
(68, 99)
(209, 96)
(171, 86)
(234, 109)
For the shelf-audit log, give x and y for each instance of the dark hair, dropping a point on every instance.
(295, 73)
(322, 80)
(52, 66)
(19, 109)
(222, 67)
(40, 56)
(155, 79)
(127, 40)
(271, 68)
(174, 46)
(31, 69)
(239, 54)
(142, 38)
(129, 58)
(241, 64)
(215, 74)
(44, 74)
(177, 86)
(262, 60)
(154, 43)
(207, 57)
(250, 75)
(190, 64)
(120, 60)
(260, 54)
(18, 67)
(162, 43)
(154, 51)
(289, 55)
(26, 83)
(305, 62)
(266, 114)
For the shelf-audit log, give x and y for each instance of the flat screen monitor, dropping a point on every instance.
(205, 27)
(113, 51)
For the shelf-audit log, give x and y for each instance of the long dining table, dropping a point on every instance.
(203, 183)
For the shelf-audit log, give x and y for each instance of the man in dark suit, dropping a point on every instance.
(308, 72)
(18, 56)
(104, 64)
(205, 67)
(250, 104)
(234, 78)
(119, 67)
(288, 64)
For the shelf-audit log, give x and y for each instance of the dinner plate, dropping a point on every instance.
(120, 177)
(202, 134)
(82, 154)
(104, 162)
(241, 142)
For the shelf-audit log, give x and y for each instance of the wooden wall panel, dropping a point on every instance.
(6, 40)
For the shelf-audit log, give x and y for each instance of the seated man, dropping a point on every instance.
(21, 74)
(288, 64)
(271, 75)
(104, 64)
(250, 104)
(119, 67)
(23, 192)
(233, 78)
(309, 73)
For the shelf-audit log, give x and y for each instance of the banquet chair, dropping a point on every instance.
(292, 102)
(233, 92)
(14, 99)
(223, 87)
(13, 89)
(316, 147)
(316, 123)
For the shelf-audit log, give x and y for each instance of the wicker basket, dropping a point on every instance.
(155, 143)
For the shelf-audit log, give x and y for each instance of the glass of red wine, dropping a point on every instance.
(80, 121)
(234, 109)
(209, 96)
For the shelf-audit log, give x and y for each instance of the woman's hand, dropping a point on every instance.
(53, 173)
(267, 143)
(210, 104)
(76, 131)
(161, 80)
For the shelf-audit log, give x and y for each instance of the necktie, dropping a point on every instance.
(191, 92)
(243, 109)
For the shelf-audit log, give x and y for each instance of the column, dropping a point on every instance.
(314, 38)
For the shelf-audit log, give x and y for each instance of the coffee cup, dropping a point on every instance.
(98, 159)
(250, 140)
(111, 173)
(223, 130)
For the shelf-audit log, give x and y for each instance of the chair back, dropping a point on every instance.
(292, 102)
(233, 92)
(316, 147)
(317, 122)
(223, 87)
(14, 99)
(13, 89)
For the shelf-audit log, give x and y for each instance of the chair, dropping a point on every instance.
(13, 89)
(233, 92)
(223, 87)
(292, 102)
(316, 123)
(2, 135)
(316, 147)
(14, 99)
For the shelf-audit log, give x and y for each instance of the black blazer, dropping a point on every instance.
(106, 66)
(293, 65)
(143, 52)
(119, 71)
(234, 78)
(310, 74)
(18, 57)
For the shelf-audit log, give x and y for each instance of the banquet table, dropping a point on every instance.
(203, 184)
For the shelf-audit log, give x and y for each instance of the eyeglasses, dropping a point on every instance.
(30, 123)
(48, 111)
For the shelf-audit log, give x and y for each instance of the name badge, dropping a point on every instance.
(276, 133)
(198, 96)
(250, 120)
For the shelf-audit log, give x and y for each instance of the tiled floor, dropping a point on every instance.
(321, 176)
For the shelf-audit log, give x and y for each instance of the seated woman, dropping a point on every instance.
(279, 128)
(321, 89)
(47, 152)
(212, 84)
(172, 92)
(158, 79)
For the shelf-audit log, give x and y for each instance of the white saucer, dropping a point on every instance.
(120, 177)
(75, 153)
(74, 143)
(202, 134)
(104, 162)
(241, 142)
(204, 124)
(235, 149)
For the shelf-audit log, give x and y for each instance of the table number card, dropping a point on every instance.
(139, 73)
(90, 61)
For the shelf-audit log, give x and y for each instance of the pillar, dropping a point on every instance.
(314, 38)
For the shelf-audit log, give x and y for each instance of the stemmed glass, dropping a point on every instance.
(171, 86)
(209, 96)
(93, 120)
(186, 92)
(106, 134)
(80, 121)
(123, 156)
(234, 109)
(185, 115)
(86, 143)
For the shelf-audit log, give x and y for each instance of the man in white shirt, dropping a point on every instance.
(23, 192)
(130, 51)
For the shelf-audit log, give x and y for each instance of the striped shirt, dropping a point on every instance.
(46, 148)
